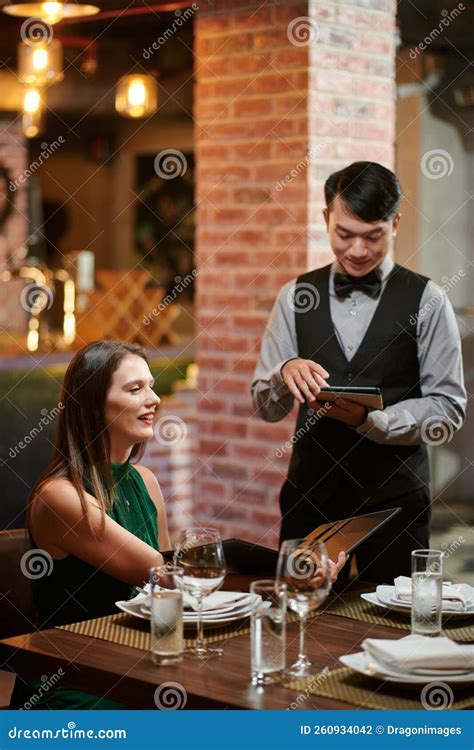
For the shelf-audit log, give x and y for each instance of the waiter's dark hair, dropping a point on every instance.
(370, 191)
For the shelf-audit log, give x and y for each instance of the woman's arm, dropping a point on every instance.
(151, 483)
(57, 521)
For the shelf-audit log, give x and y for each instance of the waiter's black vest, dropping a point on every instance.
(326, 451)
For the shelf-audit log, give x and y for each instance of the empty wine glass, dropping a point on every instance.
(200, 554)
(306, 572)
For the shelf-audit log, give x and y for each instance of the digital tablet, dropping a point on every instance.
(369, 397)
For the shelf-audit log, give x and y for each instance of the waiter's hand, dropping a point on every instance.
(346, 411)
(304, 378)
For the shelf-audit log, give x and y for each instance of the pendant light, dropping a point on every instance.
(136, 96)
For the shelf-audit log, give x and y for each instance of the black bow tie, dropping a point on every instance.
(371, 283)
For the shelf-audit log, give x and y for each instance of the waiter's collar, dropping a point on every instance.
(385, 267)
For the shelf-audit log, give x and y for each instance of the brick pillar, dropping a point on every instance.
(284, 95)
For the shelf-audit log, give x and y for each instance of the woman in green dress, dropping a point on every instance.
(96, 520)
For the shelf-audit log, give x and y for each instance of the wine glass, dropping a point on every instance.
(200, 554)
(305, 570)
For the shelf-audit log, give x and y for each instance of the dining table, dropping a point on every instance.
(128, 674)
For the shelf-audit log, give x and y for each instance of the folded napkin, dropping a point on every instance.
(420, 652)
(450, 593)
(216, 600)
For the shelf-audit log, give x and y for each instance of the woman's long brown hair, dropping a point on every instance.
(81, 450)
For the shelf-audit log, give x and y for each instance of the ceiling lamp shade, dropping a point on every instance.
(136, 96)
(50, 12)
(33, 109)
(40, 64)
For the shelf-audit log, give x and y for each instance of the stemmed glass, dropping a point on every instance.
(306, 572)
(200, 554)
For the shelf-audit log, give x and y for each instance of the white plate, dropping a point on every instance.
(364, 664)
(405, 609)
(134, 608)
(243, 603)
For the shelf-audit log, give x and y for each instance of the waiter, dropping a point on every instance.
(362, 321)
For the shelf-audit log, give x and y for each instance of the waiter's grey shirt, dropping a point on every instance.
(433, 418)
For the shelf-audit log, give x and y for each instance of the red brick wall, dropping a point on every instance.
(262, 100)
(13, 156)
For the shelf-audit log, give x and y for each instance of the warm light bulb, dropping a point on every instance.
(136, 94)
(40, 58)
(52, 12)
(32, 101)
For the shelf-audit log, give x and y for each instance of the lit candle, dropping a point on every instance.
(85, 271)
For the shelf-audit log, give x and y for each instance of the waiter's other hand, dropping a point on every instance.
(346, 411)
(304, 379)
(335, 567)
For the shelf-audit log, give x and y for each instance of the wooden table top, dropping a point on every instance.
(128, 674)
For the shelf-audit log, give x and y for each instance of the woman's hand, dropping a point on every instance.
(335, 567)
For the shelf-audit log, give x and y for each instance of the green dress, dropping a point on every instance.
(76, 591)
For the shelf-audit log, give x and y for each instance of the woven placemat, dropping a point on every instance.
(130, 631)
(344, 685)
(351, 605)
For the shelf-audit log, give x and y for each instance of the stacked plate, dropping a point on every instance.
(384, 597)
(220, 608)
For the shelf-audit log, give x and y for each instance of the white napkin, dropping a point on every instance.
(450, 593)
(215, 601)
(420, 652)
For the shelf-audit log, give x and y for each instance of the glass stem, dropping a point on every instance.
(301, 655)
(200, 646)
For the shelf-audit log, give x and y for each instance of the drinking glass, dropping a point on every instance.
(426, 586)
(166, 619)
(199, 553)
(268, 632)
(305, 570)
